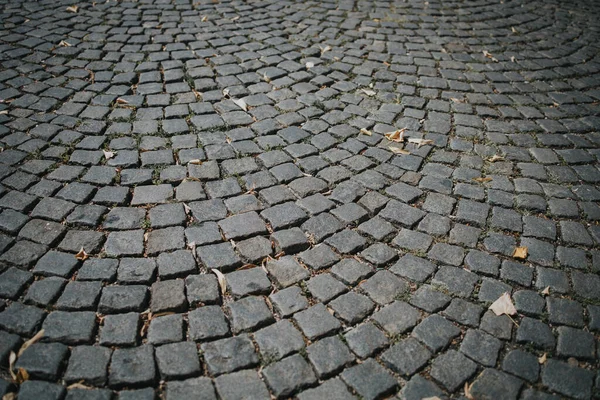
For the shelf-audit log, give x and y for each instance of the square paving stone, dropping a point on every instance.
(332, 389)
(316, 322)
(288, 301)
(13, 282)
(88, 364)
(47, 233)
(179, 263)
(370, 380)
(219, 256)
(286, 271)
(116, 299)
(575, 343)
(249, 314)
(384, 287)
(452, 369)
(456, 280)
(329, 356)
(70, 327)
(22, 320)
(229, 355)
(79, 296)
(202, 288)
(494, 384)
(420, 388)
(153, 194)
(288, 376)
(435, 332)
(278, 340)
(536, 333)
(397, 317)
(242, 226)
(55, 263)
(481, 347)
(30, 390)
(208, 322)
(463, 312)
(366, 339)
(177, 360)
(126, 243)
(132, 367)
(120, 330)
(522, 364)
(319, 257)
(566, 379)
(43, 360)
(166, 239)
(194, 388)
(168, 295)
(241, 385)
(166, 329)
(406, 357)
(284, 215)
(248, 281)
(351, 271)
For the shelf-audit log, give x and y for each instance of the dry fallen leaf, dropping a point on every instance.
(3, 112)
(482, 180)
(241, 104)
(398, 150)
(121, 101)
(513, 59)
(235, 18)
(221, 279)
(204, 18)
(64, 44)
(72, 9)
(546, 291)
(108, 154)
(78, 385)
(195, 162)
(9, 396)
(365, 131)
(495, 158)
(395, 136)
(543, 358)
(503, 305)
(420, 142)
(520, 252)
(369, 92)
(431, 398)
(468, 394)
(324, 49)
(310, 65)
(513, 29)
(11, 363)
(82, 255)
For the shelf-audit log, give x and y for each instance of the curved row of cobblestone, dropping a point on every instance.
(169, 139)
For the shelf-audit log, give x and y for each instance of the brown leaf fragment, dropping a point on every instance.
(468, 394)
(520, 252)
(543, 358)
(482, 179)
(420, 142)
(195, 162)
(73, 9)
(121, 101)
(503, 305)
(64, 44)
(31, 341)
(365, 131)
(395, 136)
(221, 279)
(78, 385)
(22, 376)
(398, 150)
(495, 158)
(9, 396)
(546, 291)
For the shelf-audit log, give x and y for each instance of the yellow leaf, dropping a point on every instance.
(398, 150)
(520, 252)
(543, 358)
(365, 131)
(503, 305)
(72, 9)
(221, 279)
(482, 180)
(82, 255)
(31, 341)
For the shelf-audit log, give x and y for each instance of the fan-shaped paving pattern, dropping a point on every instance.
(170, 138)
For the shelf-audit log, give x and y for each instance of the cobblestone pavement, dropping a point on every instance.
(170, 139)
